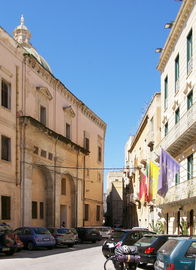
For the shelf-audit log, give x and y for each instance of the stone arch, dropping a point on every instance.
(68, 200)
(43, 192)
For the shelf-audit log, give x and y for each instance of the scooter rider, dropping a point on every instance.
(126, 254)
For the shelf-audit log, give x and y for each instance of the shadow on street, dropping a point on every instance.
(43, 252)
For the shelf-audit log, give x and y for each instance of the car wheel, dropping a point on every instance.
(9, 253)
(143, 264)
(50, 247)
(93, 241)
(30, 246)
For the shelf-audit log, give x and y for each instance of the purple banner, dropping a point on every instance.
(169, 167)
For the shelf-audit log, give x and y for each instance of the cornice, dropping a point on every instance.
(176, 30)
(30, 120)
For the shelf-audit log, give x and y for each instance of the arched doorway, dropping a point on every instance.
(68, 201)
(42, 197)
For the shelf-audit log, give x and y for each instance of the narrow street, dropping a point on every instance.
(80, 257)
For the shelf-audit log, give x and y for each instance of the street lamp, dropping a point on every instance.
(168, 25)
(159, 50)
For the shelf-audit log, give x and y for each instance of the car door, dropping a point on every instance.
(27, 235)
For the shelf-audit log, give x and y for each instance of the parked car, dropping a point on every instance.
(76, 239)
(120, 237)
(148, 246)
(177, 254)
(7, 240)
(104, 231)
(34, 237)
(63, 236)
(19, 243)
(88, 234)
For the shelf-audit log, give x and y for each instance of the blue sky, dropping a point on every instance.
(103, 51)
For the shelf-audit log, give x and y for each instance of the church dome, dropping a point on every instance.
(22, 35)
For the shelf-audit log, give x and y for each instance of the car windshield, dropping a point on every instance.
(168, 247)
(145, 241)
(5, 228)
(117, 235)
(41, 231)
(63, 230)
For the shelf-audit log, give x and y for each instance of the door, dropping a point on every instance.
(63, 214)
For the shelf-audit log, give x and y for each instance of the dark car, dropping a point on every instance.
(89, 234)
(177, 254)
(34, 237)
(63, 236)
(120, 237)
(148, 246)
(7, 240)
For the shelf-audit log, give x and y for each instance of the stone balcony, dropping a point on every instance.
(182, 133)
(182, 193)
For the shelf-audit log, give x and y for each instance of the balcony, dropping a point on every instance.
(182, 193)
(182, 133)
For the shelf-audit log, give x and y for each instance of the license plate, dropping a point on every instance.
(46, 239)
(161, 264)
(5, 249)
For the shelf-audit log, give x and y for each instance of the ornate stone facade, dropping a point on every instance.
(47, 156)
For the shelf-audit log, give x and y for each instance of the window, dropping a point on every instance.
(99, 153)
(166, 92)
(177, 116)
(63, 186)
(5, 94)
(166, 129)
(189, 52)
(86, 143)
(5, 148)
(98, 177)
(43, 153)
(5, 207)
(43, 115)
(41, 210)
(35, 150)
(68, 131)
(34, 209)
(177, 73)
(177, 178)
(152, 124)
(190, 167)
(98, 213)
(86, 212)
(190, 100)
(50, 156)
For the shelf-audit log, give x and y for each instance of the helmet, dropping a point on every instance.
(122, 250)
(126, 249)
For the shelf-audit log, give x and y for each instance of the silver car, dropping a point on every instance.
(63, 236)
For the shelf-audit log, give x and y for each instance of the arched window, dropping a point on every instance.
(63, 186)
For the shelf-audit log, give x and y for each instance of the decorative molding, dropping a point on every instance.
(44, 91)
(165, 119)
(175, 105)
(188, 87)
(176, 30)
(6, 71)
(68, 109)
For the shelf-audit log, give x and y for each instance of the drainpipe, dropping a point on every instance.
(22, 146)
(84, 187)
(55, 158)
